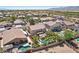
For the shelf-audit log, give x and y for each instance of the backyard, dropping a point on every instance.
(53, 37)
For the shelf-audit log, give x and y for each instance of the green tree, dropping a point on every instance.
(11, 19)
(35, 41)
(32, 22)
(52, 35)
(68, 34)
(35, 38)
(28, 18)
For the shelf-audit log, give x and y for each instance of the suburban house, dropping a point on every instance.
(43, 14)
(1, 15)
(49, 24)
(36, 18)
(34, 29)
(53, 25)
(69, 25)
(20, 15)
(29, 14)
(35, 15)
(76, 19)
(5, 25)
(12, 36)
(58, 17)
(18, 23)
(76, 27)
(44, 19)
(2, 28)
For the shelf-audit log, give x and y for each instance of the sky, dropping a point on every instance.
(27, 7)
(36, 4)
(39, 2)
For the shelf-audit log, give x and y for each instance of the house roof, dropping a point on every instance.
(50, 23)
(5, 23)
(35, 17)
(11, 34)
(18, 21)
(75, 18)
(69, 23)
(37, 26)
(46, 18)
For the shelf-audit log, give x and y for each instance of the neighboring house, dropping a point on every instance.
(7, 15)
(5, 25)
(35, 15)
(1, 15)
(36, 18)
(18, 23)
(43, 14)
(69, 25)
(34, 29)
(58, 17)
(54, 26)
(13, 36)
(45, 19)
(76, 27)
(29, 14)
(75, 19)
(49, 24)
(20, 15)
(2, 28)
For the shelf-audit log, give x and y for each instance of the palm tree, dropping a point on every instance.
(35, 41)
(35, 38)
